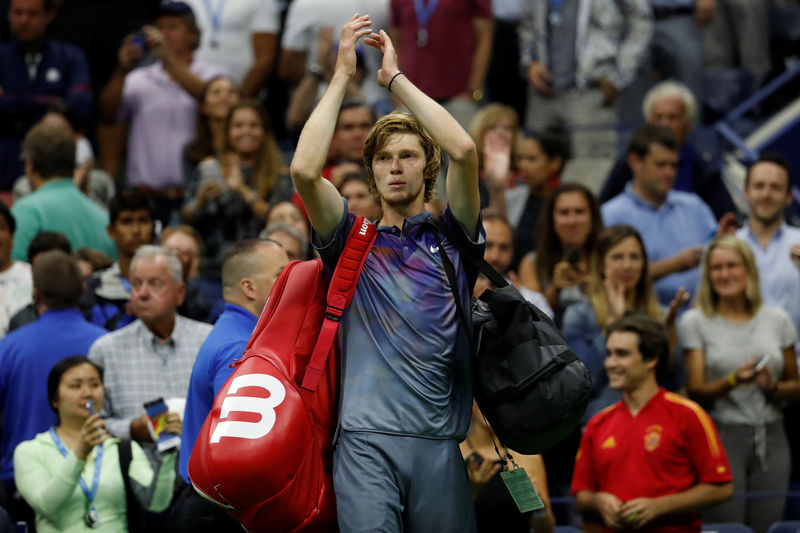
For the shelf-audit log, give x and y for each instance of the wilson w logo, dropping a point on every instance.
(250, 404)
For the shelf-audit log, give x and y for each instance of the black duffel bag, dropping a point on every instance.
(529, 384)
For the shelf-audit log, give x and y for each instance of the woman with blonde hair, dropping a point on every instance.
(741, 365)
(232, 193)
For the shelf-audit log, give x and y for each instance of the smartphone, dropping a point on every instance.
(761, 363)
(157, 413)
(90, 406)
(573, 256)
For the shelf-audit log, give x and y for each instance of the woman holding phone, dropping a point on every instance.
(70, 475)
(741, 365)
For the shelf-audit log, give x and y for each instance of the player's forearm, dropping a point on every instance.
(315, 139)
(444, 129)
(696, 498)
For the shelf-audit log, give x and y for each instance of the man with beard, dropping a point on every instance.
(406, 385)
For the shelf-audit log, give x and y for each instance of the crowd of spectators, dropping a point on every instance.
(186, 215)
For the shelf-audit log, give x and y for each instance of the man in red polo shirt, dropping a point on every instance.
(653, 460)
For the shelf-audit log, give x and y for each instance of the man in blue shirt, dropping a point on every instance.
(406, 386)
(35, 73)
(28, 354)
(249, 270)
(674, 225)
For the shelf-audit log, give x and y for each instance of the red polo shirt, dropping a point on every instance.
(670, 446)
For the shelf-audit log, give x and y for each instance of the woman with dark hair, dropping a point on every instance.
(741, 365)
(230, 196)
(568, 232)
(539, 161)
(70, 475)
(619, 285)
(218, 96)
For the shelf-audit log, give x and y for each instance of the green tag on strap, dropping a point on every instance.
(521, 489)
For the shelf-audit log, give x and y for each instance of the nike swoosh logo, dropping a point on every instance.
(434, 248)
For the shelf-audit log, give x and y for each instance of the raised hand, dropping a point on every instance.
(356, 28)
(389, 65)
(615, 294)
(681, 297)
(497, 159)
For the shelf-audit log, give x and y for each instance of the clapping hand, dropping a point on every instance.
(356, 28)
(497, 159)
(681, 297)
(389, 65)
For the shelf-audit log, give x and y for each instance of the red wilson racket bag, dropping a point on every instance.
(264, 452)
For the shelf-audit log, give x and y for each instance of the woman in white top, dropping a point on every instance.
(740, 363)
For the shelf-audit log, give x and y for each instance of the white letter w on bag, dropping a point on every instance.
(263, 406)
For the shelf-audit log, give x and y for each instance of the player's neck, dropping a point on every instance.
(637, 398)
(394, 215)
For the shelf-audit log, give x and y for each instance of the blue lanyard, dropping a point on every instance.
(215, 15)
(423, 12)
(555, 5)
(90, 494)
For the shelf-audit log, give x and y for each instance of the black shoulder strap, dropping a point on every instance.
(468, 254)
(125, 456)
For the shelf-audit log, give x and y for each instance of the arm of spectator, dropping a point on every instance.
(79, 98)
(788, 387)
(462, 174)
(320, 197)
(264, 49)
(527, 273)
(177, 67)
(635, 46)
(527, 35)
(292, 65)
(302, 102)
(481, 55)
(639, 512)
(45, 490)
(683, 260)
(705, 391)
(542, 521)
(111, 96)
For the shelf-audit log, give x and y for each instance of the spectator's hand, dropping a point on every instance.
(704, 12)
(609, 507)
(566, 275)
(497, 160)
(764, 378)
(640, 511)
(209, 190)
(681, 297)
(93, 432)
(609, 90)
(157, 43)
(232, 170)
(615, 294)
(727, 225)
(795, 255)
(540, 77)
(689, 257)
(479, 475)
(81, 175)
(173, 424)
(356, 28)
(747, 371)
(129, 54)
(139, 431)
(389, 65)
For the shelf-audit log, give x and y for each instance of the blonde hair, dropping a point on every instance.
(707, 300)
(644, 300)
(486, 119)
(400, 122)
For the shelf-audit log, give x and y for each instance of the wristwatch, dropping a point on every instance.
(315, 69)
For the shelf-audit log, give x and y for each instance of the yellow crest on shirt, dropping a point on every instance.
(652, 437)
(610, 442)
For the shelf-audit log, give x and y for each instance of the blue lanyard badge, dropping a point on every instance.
(424, 14)
(91, 514)
(215, 17)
